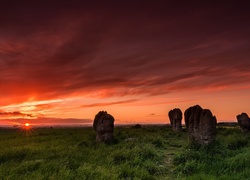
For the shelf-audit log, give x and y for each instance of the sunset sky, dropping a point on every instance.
(63, 61)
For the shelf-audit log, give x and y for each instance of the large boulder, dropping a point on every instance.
(201, 125)
(175, 117)
(244, 122)
(104, 127)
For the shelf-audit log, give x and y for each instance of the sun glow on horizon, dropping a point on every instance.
(27, 126)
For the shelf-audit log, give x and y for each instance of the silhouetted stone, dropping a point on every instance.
(201, 125)
(244, 122)
(104, 127)
(175, 117)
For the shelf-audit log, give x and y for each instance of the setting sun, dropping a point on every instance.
(27, 124)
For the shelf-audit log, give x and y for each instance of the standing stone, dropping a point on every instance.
(207, 126)
(175, 117)
(201, 125)
(244, 122)
(104, 127)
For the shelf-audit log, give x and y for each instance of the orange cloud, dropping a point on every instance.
(109, 103)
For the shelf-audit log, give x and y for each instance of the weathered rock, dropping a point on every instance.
(192, 116)
(244, 122)
(201, 125)
(104, 127)
(175, 117)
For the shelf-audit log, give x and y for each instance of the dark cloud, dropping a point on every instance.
(40, 122)
(57, 49)
(15, 113)
(61, 121)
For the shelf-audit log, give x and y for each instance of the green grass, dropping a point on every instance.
(227, 158)
(147, 152)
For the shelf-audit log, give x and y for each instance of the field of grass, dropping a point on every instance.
(149, 152)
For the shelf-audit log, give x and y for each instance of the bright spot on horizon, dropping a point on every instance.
(27, 124)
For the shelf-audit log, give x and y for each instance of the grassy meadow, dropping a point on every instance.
(146, 152)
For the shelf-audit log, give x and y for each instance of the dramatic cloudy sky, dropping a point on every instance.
(68, 60)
